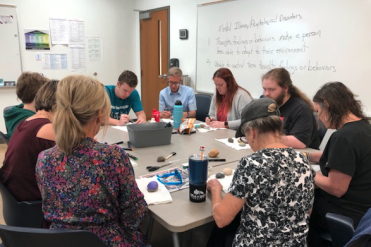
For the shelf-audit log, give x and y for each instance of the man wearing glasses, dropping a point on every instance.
(176, 91)
(125, 97)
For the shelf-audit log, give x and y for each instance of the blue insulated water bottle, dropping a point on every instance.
(178, 114)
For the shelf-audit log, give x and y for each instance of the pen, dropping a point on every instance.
(209, 117)
(217, 159)
(132, 156)
(117, 143)
(128, 149)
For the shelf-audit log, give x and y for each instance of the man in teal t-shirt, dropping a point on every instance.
(125, 97)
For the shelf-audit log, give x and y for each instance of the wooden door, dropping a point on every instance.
(154, 43)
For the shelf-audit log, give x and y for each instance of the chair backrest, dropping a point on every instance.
(3, 138)
(25, 214)
(325, 139)
(203, 105)
(362, 235)
(340, 227)
(23, 236)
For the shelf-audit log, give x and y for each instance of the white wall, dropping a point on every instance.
(118, 24)
(183, 15)
(113, 20)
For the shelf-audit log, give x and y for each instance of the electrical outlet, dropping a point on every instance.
(38, 56)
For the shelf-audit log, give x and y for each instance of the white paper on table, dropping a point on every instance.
(225, 182)
(234, 145)
(122, 128)
(203, 130)
(315, 167)
(167, 120)
(133, 163)
(162, 195)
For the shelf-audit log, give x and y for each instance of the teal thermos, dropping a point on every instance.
(178, 114)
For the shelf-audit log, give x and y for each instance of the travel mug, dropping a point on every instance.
(197, 169)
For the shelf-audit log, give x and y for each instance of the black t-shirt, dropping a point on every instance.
(299, 121)
(349, 151)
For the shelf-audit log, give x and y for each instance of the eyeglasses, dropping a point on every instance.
(243, 139)
(174, 83)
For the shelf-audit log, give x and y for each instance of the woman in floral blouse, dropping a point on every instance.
(274, 186)
(86, 184)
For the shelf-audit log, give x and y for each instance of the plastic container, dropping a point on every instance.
(178, 114)
(149, 134)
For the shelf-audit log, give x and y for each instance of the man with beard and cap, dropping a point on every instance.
(296, 109)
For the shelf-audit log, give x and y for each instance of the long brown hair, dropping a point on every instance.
(232, 86)
(282, 76)
(339, 101)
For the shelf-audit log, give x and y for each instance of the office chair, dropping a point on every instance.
(3, 138)
(362, 235)
(203, 105)
(23, 236)
(341, 229)
(25, 214)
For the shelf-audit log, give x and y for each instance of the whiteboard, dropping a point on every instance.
(10, 56)
(317, 41)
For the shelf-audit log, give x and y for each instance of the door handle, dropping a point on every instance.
(162, 76)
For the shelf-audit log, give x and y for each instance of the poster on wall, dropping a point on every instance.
(76, 28)
(54, 60)
(59, 31)
(95, 49)
(78, 57)
(37, 39)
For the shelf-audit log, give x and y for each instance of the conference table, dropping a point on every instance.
(181, 214)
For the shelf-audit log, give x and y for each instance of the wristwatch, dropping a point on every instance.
(226, 124)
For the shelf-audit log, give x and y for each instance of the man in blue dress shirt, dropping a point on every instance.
(176, 91)
(125, 97)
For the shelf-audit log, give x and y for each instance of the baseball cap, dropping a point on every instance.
(258, 108)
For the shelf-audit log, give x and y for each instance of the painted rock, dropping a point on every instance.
(227, 171)
(242, 144)
(219, 175)
(213, 153)
(230, 139)
(152, 186)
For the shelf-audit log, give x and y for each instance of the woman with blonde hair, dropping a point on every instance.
(86, 184)
(228, 101)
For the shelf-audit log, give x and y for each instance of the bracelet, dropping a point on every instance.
(307, 155)
(214, 206)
